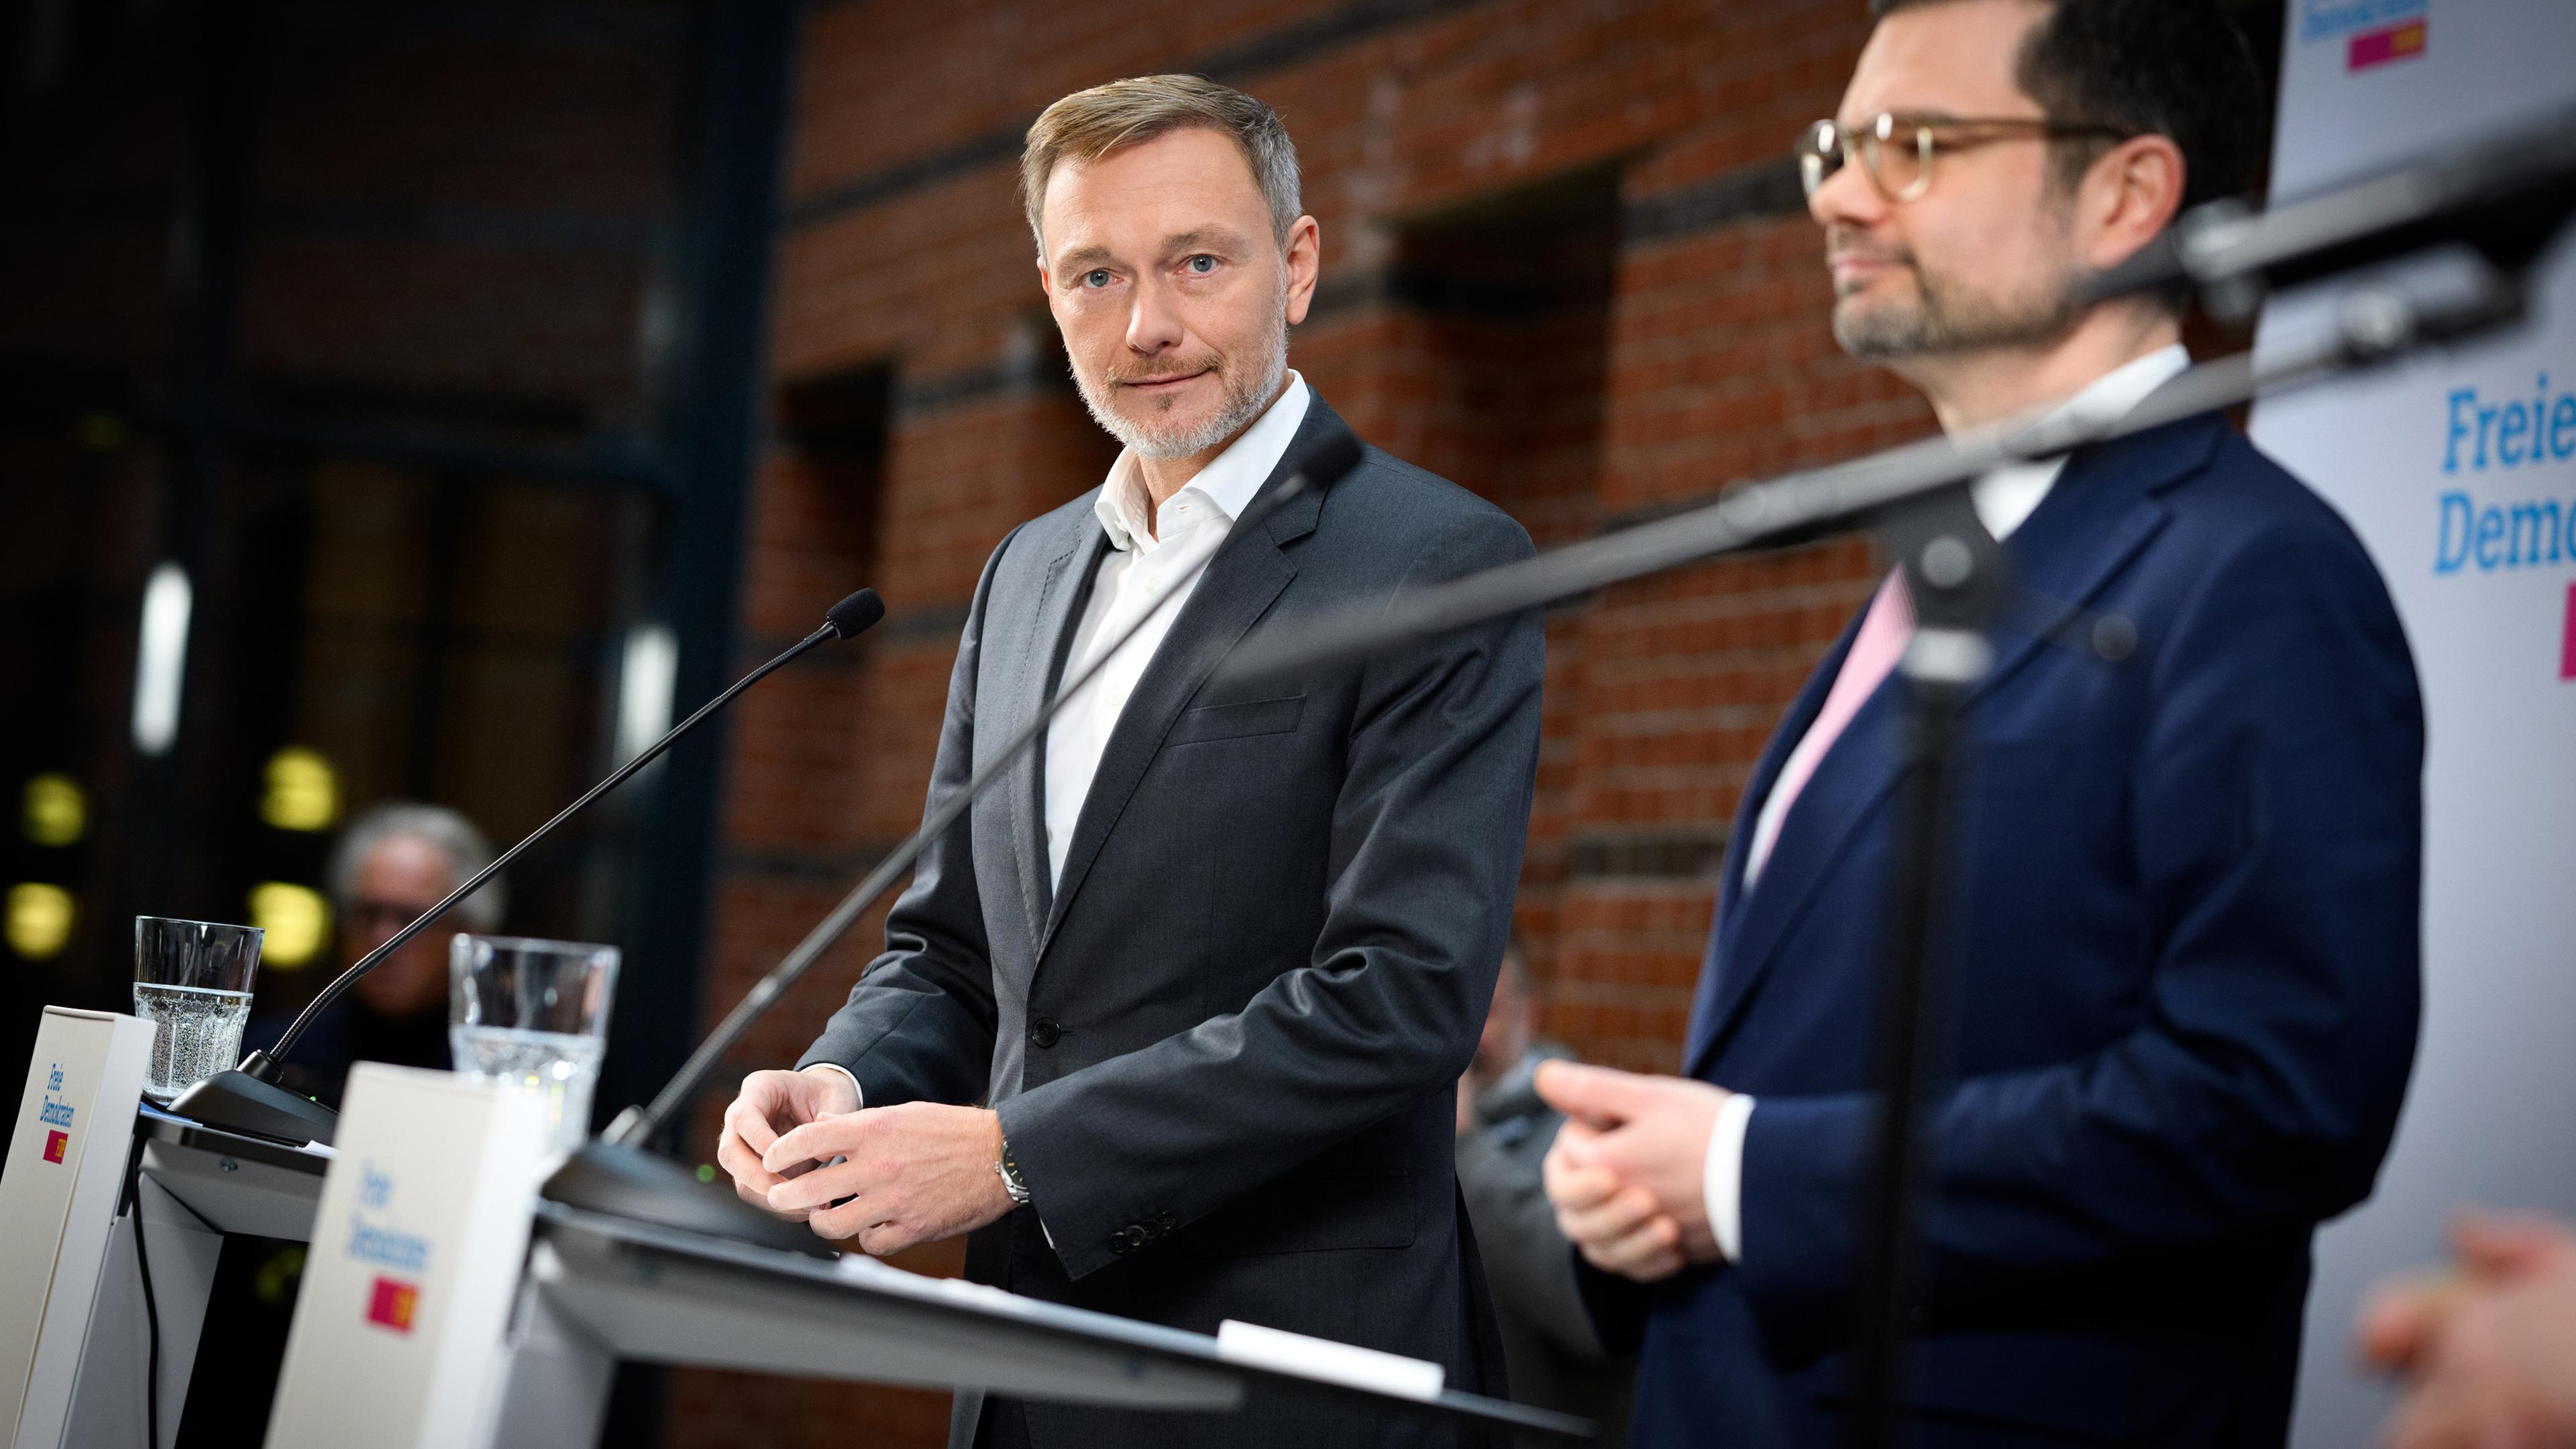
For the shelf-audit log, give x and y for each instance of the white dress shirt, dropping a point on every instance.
(1138, 570)
(2004, 499)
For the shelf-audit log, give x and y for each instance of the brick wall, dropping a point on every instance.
(1564, 265)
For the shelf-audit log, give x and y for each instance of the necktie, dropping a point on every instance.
(1874, 652)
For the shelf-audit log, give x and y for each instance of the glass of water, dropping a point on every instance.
(192, 982)
(533, 1014)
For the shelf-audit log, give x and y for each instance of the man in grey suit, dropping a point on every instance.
(1210, 958)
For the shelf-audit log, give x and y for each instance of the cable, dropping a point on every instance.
(151, 1308)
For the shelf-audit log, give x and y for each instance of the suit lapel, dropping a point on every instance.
(2102, 511)
(2095, 519)
(1731, 894)
(1247, 575)
(1848, 781)
(1073, 562)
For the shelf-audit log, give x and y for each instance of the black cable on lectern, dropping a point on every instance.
(248, 1098)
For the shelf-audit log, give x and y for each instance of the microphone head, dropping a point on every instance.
(856, 614)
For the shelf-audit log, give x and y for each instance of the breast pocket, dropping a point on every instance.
(1237, 721)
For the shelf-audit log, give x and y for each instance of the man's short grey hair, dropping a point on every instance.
(454, 835)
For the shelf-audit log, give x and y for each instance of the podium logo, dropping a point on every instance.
(56, 1144)
(2379, 47)
(2373, 32)
(391, 1302)
(381, 1239)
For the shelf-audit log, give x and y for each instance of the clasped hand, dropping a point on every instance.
(1628, 1168)
(2485, 1348)
(797, 1144)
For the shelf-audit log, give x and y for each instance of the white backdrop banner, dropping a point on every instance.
(2459, 472)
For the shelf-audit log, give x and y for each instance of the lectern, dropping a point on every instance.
(592, 1289)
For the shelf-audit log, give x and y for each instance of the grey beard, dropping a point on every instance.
(1244, 402)
(1940, 323)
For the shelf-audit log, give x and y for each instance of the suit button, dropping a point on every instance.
(1163, 1223)
(1044, 1033)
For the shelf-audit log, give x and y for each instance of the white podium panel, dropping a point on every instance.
(58, 1196)
(111, 1408)
(415, 1257)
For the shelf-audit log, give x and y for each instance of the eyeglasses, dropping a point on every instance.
(1896, 150)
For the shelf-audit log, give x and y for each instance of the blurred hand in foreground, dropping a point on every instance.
(2488, 1350)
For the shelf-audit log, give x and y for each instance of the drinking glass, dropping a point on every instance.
(192, 982)
(533, 1014)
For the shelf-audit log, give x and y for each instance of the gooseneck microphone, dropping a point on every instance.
(248, 1099)
(615, 1174)
(2506, 197)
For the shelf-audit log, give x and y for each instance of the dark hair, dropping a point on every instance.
(2173, 68)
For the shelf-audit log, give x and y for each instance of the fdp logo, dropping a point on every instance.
(376, 1236)
(2373, 32)
(391, 1302)
(2567, 639)
(55, 1115)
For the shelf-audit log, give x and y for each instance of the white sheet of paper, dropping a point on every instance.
(1326, 1361)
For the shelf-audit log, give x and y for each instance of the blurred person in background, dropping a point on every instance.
(2186, 880)
(1504, 1131)
(393, 862)
(2488, 1349)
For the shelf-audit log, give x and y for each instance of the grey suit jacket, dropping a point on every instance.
(1224, 1050)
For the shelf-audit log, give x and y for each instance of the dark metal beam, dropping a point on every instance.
(209, 249)
(616, 461)
(742, 61)
(510, 230)
(630, 26)
(742, 53)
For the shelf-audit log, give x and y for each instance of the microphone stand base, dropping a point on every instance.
(628, 1182)
(236, 1101)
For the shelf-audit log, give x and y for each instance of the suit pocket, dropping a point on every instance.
(1237, 721)
(1309, 1215)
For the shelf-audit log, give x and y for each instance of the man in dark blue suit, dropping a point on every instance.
(2186, 970)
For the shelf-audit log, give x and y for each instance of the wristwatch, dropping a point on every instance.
(1009, 1172)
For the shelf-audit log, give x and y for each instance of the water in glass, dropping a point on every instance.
(192, 981)
(195, 1034)
(558, 1066)
(533, 1015)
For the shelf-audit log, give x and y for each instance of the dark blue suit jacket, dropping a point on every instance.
(2186, 977)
